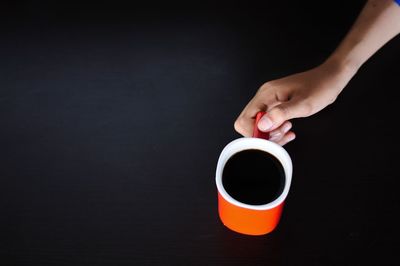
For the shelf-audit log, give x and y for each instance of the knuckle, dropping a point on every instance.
(266, 87)
(280, 114)
(332, 100)
(308, 108)
(238, 125)
(241, 128)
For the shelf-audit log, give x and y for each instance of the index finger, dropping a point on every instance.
(244, 124)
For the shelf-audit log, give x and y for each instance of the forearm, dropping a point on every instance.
(378, 22)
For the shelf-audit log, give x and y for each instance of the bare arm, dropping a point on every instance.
(304, 94)
(377, 24)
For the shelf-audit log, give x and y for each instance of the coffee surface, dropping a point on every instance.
(253, 177)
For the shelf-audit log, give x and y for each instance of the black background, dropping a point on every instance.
(112, 118)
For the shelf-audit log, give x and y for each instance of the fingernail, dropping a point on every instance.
(264, 124)
(274, 138)
(274, 133)
(291, 137)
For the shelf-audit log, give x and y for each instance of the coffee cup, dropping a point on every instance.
(253, 178)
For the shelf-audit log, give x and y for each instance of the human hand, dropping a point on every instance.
(298, 95)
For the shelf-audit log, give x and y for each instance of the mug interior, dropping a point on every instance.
(254, 190)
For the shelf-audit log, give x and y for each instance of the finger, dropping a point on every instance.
(288, 137)
(278, 133)
(265, 98)
(283, 112)
(244, 124)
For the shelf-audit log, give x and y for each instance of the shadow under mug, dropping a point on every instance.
(247, 218)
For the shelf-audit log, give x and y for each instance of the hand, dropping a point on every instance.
(298, 95)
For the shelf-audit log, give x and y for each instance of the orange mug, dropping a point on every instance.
(242, 217)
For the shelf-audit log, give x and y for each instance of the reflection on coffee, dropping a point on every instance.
(253, 177)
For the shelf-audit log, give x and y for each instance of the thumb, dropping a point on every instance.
(275, 117)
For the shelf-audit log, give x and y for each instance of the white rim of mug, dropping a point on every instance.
(242, 144)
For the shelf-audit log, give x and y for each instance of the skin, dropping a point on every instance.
(306, 93)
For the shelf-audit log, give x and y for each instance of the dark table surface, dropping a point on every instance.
(112, 119)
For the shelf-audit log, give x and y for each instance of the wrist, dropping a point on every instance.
(344, 67)
(344, 63)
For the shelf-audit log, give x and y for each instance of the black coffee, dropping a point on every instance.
(253, 177)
